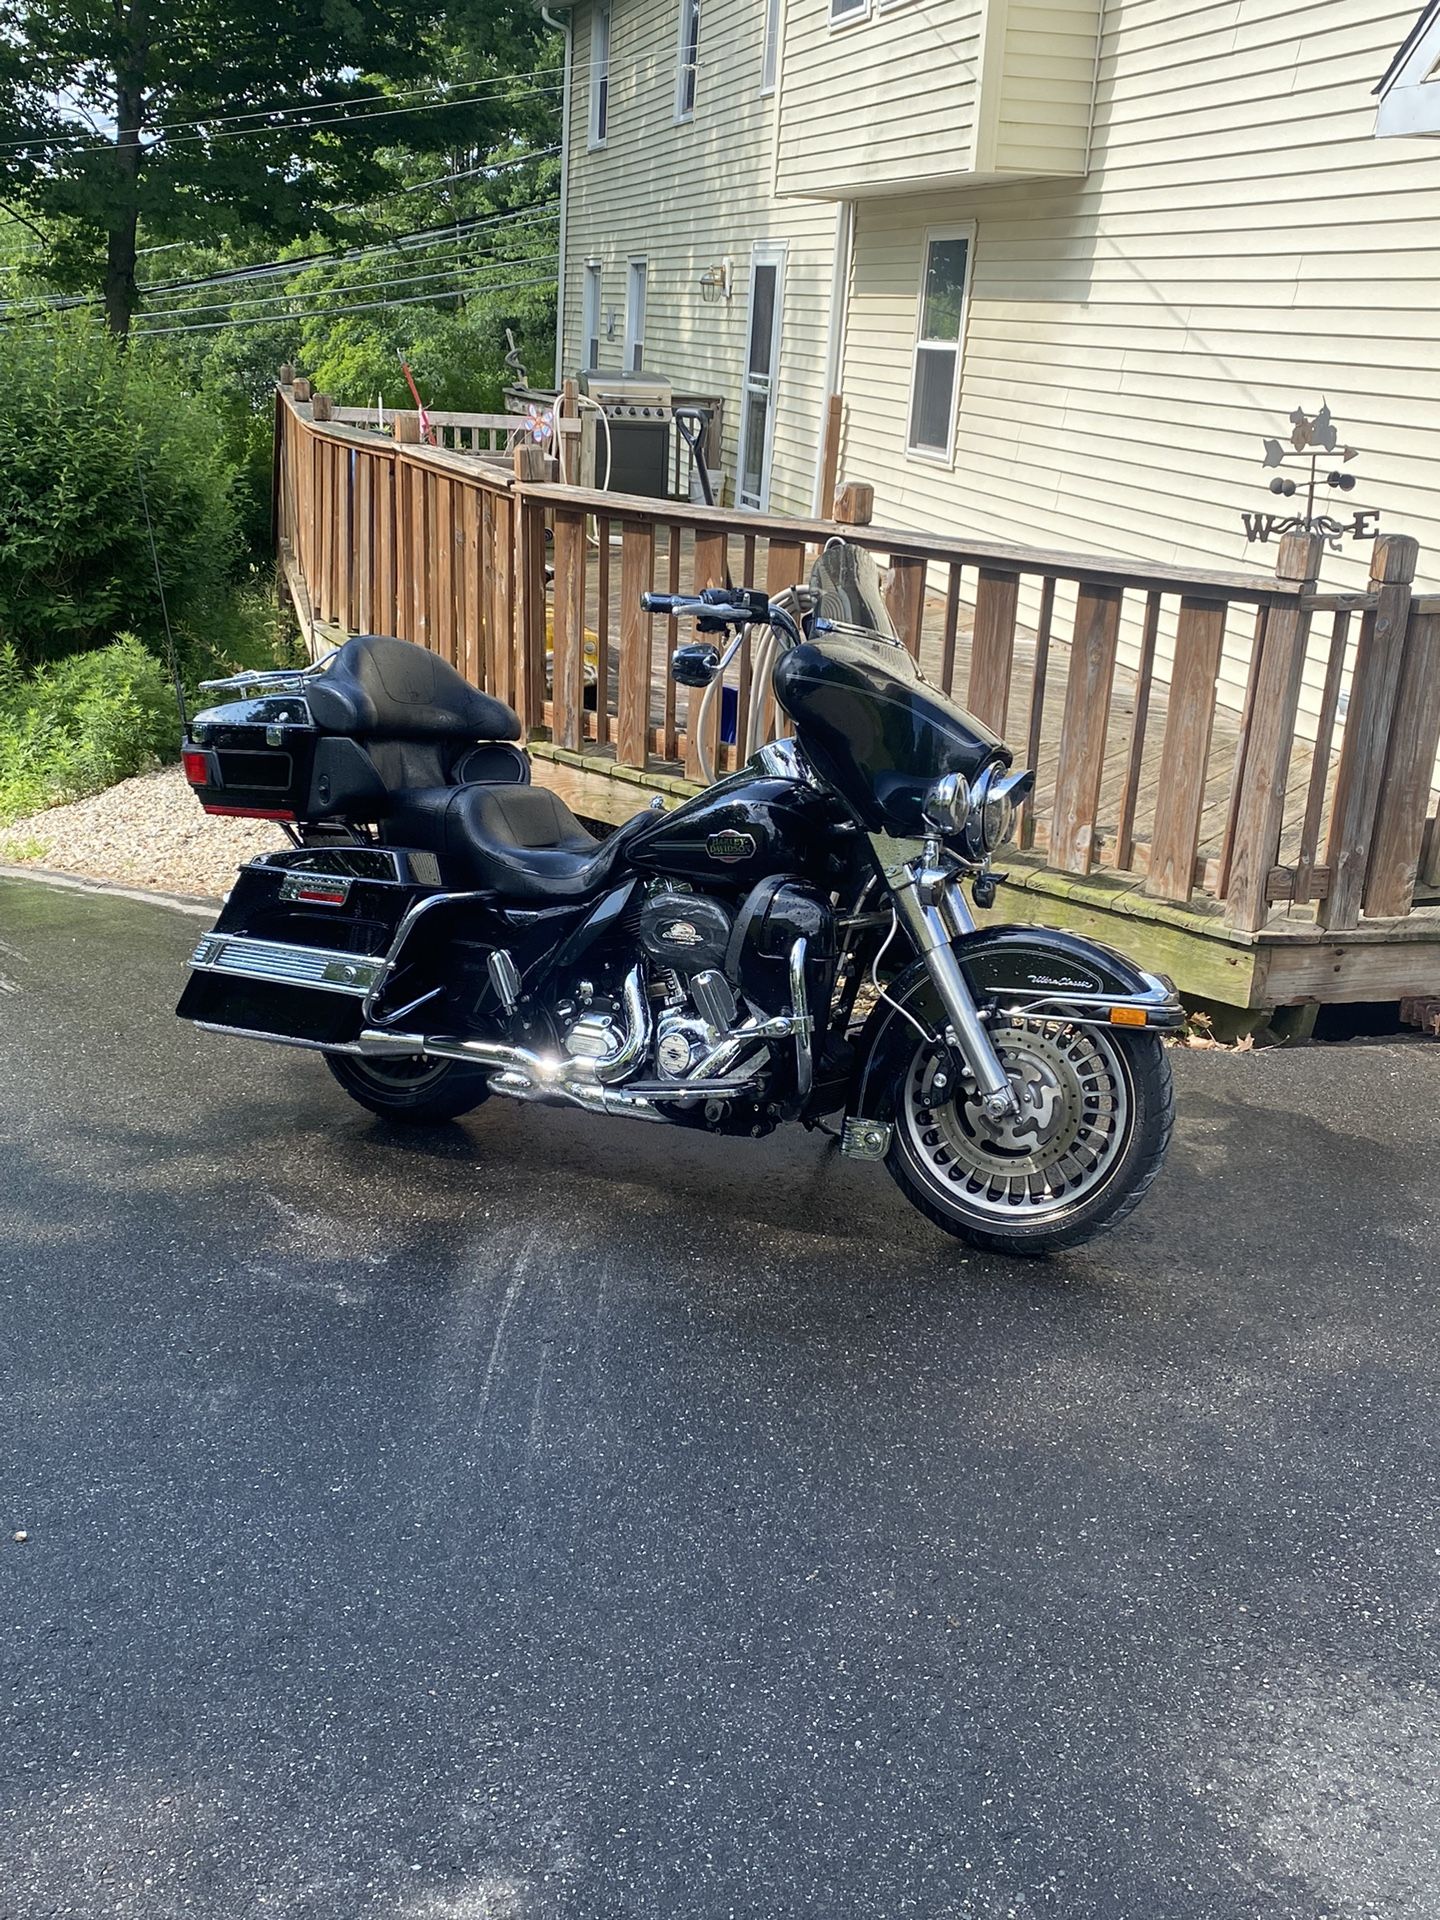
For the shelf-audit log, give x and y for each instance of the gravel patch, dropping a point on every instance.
(145, 832)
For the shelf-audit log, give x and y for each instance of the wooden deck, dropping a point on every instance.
(1261, 856)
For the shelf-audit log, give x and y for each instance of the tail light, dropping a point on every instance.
(249, 813)
(197, 766)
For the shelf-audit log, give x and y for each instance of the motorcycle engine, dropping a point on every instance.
(686, 932)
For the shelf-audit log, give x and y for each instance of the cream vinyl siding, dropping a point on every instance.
(689, 196)
(927, 92)
(1241, 244)
(872, 103)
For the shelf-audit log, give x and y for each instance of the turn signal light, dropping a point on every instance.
(1127, 1016)
(197, 767)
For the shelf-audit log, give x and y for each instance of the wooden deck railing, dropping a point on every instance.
(1142, 767)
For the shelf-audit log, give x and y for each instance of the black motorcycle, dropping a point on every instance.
(792, 944)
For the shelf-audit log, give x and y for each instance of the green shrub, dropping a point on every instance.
(75, 727)
(78, 415)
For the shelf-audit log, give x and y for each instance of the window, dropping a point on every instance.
(635, 317)
(590, 317)
(842, 12)
(689, 59)
(939, 341)
(770, 58)
(599, 76)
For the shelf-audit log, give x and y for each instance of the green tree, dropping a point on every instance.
(120, 113)
(77, 416)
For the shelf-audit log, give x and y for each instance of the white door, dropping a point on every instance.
(759, 384)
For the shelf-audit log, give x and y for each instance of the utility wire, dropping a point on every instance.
(470, 173)
(421, 238)
(313, 294)
(161, 139)
(368, 306)
(497, 86)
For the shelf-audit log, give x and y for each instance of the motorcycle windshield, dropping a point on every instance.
(864, 713)
(850, 589)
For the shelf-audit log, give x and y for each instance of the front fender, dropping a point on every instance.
(1039, 970)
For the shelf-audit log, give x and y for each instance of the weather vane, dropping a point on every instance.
(1314, 440)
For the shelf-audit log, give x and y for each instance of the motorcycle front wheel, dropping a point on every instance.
(412, 1088)
(1096, 1110)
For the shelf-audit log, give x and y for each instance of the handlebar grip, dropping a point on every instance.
(661, 602)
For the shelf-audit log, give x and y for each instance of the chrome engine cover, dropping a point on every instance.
(681, 1042)
(594, 1036)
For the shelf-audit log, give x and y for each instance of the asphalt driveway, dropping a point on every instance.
(549, 1516)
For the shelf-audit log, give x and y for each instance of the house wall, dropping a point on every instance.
(1241, 244)
(877, 101)
(687, 196)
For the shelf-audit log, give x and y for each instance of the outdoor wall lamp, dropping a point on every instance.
(717, 283)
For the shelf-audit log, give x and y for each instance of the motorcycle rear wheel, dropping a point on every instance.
(1097, 1110)
(412, 1089)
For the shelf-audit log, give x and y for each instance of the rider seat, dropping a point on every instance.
(523, 843)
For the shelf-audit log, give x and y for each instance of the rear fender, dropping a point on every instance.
(1010, 970)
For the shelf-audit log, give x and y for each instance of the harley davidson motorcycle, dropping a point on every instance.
(793, 944)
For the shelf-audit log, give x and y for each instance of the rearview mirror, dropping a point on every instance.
(694, 665)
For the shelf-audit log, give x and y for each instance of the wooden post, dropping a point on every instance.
(287, 375)
(1084, 727)
(709, 563)
(1269, 737)
(1409, 764)
(992, 648)
(301, 391)
(855, 504)
(1185, 756)
(1375, 682)
(322, 407)
(568, 650)
(905, 599)
(407, 429)
(637, 571)
(528, 640)
(830, 434)
(567, 444)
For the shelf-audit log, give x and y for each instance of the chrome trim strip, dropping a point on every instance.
(279, 1039)
(282, 964)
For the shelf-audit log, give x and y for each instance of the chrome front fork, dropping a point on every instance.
(933, 910)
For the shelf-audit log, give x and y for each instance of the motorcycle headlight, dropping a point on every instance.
(947, 804)
(996, 802)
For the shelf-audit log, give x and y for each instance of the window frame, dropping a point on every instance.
(592, 282)
(597, 128)
(690, 10)
(957, 230)
(770, 48)
(852, 16)
(636, 338)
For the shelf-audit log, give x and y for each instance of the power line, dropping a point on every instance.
(340, 313)
(470, 173)
(161, 139)
(497, 84)
(313, 294)
(416, 241)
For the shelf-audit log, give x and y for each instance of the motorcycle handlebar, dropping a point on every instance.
(714, 603)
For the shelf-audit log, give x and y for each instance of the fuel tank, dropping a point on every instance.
(743, 828)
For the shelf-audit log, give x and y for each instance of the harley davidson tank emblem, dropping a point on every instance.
(730, 846)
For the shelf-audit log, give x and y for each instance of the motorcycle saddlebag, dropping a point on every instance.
(303, 940)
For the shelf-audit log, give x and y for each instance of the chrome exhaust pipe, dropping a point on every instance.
(547, 1072)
